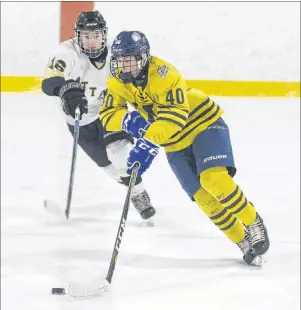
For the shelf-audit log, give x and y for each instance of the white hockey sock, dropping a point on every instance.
(112, 172)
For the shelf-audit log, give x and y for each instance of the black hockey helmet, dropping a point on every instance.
(91, 33)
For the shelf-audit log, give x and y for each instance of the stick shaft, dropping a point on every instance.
(73, 161)
(122, 223)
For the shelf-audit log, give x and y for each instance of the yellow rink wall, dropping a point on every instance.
(210, 87)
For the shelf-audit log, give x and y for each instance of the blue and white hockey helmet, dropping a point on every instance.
(130, 52)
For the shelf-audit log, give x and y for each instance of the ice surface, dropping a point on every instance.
(183, 262)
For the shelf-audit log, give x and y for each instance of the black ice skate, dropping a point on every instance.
(244, 246)
(143, 205)
(257, 235)
(248, 252)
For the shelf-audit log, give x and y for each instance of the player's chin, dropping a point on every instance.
(135, 74)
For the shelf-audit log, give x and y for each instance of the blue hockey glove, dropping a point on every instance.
(144, 153)
(135, 124)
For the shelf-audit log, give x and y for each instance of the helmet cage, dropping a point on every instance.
(127, 68)
(98, 38)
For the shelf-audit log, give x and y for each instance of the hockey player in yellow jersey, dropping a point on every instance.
(188, 124)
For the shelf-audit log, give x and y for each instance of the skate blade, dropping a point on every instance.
(150, 222)
(259, 261)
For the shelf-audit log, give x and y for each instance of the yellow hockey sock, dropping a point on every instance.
(219, 215)
(217, 182)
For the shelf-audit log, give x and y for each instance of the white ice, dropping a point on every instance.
(183, 262)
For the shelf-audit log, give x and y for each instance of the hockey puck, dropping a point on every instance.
(58, 291)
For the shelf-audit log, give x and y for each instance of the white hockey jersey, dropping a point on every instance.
(70, 62)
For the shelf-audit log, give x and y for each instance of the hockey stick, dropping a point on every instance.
(94, 289)
(51, 206)
(73, 161)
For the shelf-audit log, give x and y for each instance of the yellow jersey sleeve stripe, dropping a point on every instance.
(112, 121)
(184, 118)
(170, 108)
(208, 110)
(198, 117)
(159, 131)
(181, 137)
(108, 104)
(181, 125)
(104, 120)
(108, 119)
(104, 113)
(200, 106)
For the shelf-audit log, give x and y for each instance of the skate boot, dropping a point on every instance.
(247, 250)
(244, 246)
(257, 235)
(143, 205)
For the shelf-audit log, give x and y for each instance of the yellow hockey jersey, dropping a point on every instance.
(177, 113)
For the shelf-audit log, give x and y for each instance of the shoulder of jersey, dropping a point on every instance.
(162, 74)
(162, 69)
(113, 83)
(68, 47)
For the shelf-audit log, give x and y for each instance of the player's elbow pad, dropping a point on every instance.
(51, 86)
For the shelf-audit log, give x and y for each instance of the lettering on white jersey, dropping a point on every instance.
(86, 88)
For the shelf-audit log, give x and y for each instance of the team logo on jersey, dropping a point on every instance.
(162, 70)
(136, 36)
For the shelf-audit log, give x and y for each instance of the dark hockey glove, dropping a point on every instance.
(72, 95)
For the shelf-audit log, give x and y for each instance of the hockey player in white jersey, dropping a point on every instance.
(76, 72)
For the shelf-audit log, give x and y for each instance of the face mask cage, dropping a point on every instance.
(92, 42)
(127, 68)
